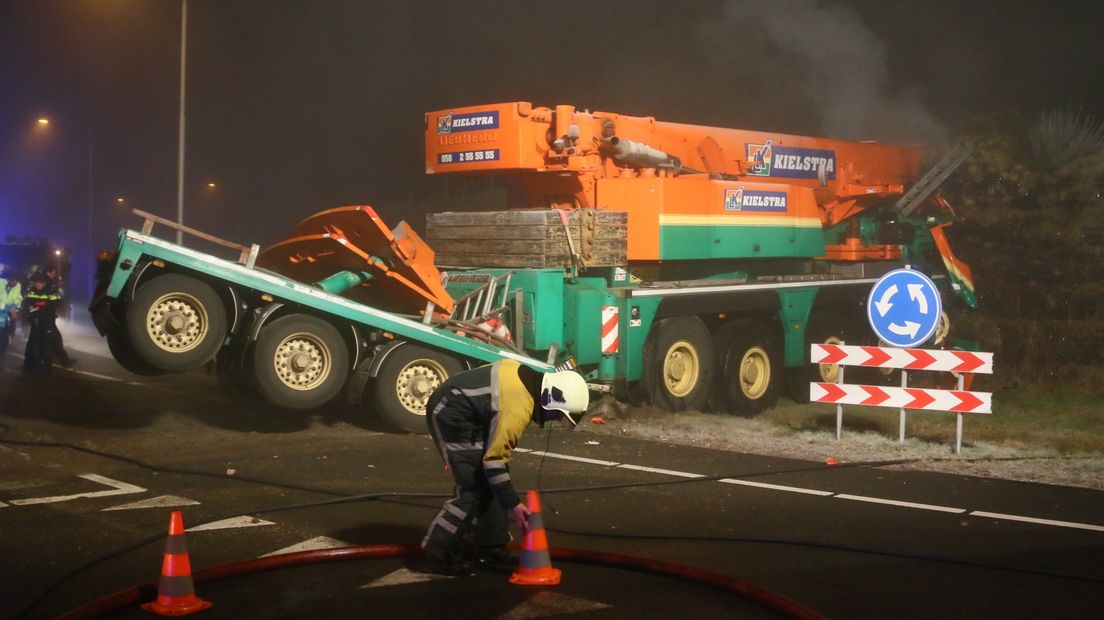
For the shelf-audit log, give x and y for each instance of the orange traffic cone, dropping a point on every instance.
(176, 593)
(535, 565)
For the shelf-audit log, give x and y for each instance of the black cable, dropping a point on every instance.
(828, 547)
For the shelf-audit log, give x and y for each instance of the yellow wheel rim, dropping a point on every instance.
(416, 381)
(302, 361)
(176, 322)
(681, 368)
(755, 372)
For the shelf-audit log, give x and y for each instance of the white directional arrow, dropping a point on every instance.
(318, 542)
(230, 523)
(117, 488)
(161, 501)
(548, 604)
(403, 576)
(916, 293)
(909, 329)
(883, 305)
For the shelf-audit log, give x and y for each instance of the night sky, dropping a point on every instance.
(298, 106)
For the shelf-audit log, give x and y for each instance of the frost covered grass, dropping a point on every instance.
(1023, 440)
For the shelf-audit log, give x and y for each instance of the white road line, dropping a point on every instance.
(118, 488)
(1070, 524)
(893, 502)
(81, 372)
(776, 487)
(653, 470)
(819, 493)
(568, 457)
(95, 375)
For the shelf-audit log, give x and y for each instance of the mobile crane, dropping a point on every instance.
(684, 266)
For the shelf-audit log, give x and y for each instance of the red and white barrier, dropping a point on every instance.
(908, 359)
(904, 398)
(901, 398)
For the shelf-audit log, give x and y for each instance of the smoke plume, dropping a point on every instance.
(841, 66)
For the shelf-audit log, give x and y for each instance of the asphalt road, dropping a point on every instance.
(847, 542)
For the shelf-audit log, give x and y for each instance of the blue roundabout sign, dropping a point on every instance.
(904, 308)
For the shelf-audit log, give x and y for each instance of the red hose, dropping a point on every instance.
(743, 589)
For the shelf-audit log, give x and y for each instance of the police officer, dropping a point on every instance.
(56, 343)
(11, 298)
(476, 419)
(40, 308)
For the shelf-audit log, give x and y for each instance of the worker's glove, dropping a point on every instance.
(521, 516)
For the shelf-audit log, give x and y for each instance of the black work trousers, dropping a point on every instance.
(37, 357)
(472, 519)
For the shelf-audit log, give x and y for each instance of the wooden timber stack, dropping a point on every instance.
(528, 238)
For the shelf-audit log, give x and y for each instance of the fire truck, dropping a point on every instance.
(682, 266)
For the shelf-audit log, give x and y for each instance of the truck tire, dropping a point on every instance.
(749, 369)
(300, 362)
(404, 382)
(123, 352)
(824, 328)
(175, 323)
(678, 364)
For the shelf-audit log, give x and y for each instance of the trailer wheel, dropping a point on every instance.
(175, 323)
(123, 352)
(824, 328)
(748, 368)
(404, 382)
(678, 358)
(300, 362)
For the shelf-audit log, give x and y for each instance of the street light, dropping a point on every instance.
(45, 123)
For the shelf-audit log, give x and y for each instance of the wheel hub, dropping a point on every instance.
(680, 368)
(176, 322)
(302, 361)
(755, 372)
(416, 382)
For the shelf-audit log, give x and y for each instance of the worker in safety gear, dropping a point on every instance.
(57, 344)
(40, 307)
(476, 418)
(11, 298)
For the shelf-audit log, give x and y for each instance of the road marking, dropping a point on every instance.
(79, 372)
(118, 488)
(1071, 524)
(231, 523)
(161, 501)
(820, 493)
(653, 470)
(893, 502)
(548, 604)
(568, 457)
(94, 375)
(403, 576)
(318, 542)
(776, 487)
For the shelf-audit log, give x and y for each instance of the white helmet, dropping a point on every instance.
(564, 392)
